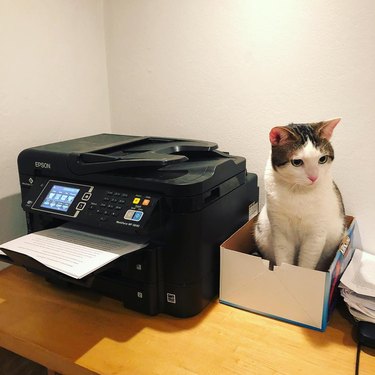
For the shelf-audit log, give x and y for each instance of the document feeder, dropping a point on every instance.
(182, 196)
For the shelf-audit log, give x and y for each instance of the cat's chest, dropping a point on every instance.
(300, 204)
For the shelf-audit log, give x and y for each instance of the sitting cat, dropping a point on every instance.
(302, 222)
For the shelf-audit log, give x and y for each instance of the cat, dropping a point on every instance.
(303, 219)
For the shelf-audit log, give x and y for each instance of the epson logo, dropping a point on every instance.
(41, 164)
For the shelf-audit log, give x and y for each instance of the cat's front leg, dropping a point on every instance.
(283, 247)
(311, 250)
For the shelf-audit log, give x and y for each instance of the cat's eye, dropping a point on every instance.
(296, 162)
(323, 159)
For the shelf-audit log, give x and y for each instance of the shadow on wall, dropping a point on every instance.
(13, 223)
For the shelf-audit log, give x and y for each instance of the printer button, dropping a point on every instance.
(146, 202)
(137, 215)
(81, 206)
(86, 196)
(129, 214)
(103, 218)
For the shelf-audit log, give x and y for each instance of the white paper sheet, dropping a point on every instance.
(71, 252)
(361, 303)
(358, 315)
(2, 253)
(359, 275)
(358, 286)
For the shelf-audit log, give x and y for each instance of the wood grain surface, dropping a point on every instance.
(79, 332)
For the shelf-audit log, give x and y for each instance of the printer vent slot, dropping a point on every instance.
(215, 193)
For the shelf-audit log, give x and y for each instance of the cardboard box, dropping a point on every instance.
(294, 294)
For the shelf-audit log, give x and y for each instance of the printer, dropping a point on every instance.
(184, 197)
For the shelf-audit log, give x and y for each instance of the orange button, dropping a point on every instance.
(145, 202)
(136, 200)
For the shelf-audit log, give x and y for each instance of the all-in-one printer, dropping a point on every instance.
(184, 197)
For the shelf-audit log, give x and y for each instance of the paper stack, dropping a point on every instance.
(358, 286)
(73, 252)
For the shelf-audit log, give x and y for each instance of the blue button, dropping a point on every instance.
(137, 215)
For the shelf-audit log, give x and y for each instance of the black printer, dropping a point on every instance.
(184, 197)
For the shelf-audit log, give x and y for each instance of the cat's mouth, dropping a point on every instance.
(312, 183)
(305, 184)
(309, 183)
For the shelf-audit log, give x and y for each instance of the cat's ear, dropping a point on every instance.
(325, 128)
(280, 135)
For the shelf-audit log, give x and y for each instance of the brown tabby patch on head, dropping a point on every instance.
(298, 136)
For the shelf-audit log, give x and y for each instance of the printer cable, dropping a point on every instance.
(365, 337)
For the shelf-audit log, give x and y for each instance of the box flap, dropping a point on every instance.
(243, 239)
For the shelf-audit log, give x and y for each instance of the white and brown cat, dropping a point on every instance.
(303, 219)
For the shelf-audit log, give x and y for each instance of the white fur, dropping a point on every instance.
(302, 221)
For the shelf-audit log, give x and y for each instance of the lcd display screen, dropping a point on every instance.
(59, 198)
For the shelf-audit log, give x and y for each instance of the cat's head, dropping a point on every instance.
(302, 153)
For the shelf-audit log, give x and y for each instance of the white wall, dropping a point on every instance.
(227, 71)
(224, 71)
(53, 85)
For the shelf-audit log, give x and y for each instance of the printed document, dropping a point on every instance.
(359, 275)
(358, 286)
(70, 251)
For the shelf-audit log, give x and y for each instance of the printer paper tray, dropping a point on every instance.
(69, 250)
(34, 266)
(139, 265)
(132, 274)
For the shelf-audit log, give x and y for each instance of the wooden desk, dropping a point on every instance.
(82, 333)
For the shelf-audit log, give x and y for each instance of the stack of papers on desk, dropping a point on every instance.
(358, 286)
(73, 252)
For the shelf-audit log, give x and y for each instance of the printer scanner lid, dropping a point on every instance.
(167, 165)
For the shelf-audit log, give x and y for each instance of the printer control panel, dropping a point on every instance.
(98, 205)
(62, 198)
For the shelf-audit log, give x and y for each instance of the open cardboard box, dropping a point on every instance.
(294, 294)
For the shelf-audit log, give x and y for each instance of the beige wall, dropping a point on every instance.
(227, 71)
(220, 70)
(53, 84)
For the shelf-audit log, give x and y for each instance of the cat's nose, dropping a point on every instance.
(313, 178)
